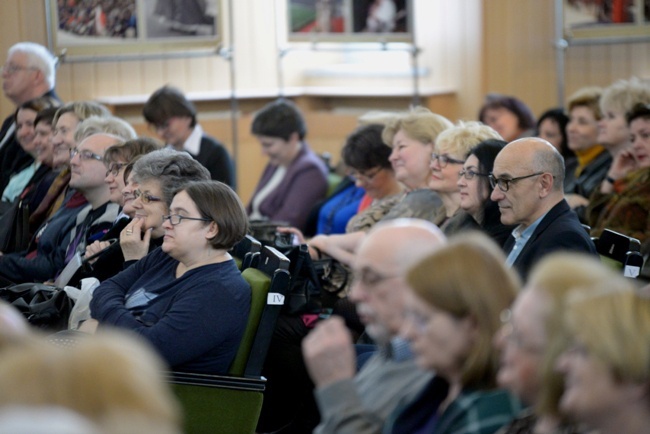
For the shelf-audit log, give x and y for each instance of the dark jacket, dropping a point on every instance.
(559, 230)
(214, 157)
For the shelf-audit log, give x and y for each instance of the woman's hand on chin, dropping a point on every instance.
(133, 245)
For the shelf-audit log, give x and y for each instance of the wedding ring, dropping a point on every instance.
(129, 231)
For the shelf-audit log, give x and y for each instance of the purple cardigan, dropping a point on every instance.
(304, 184)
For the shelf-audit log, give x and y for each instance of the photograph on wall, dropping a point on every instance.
(607, 19)
(350, 20)
(111, 27)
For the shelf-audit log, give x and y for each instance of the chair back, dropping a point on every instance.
(244, 250)
(620, 249)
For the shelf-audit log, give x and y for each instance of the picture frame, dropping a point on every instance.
(350, 20)
(604, 21)
(123, 28)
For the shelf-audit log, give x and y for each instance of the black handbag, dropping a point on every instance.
(44, 306)
(14, 228)
(305, 292)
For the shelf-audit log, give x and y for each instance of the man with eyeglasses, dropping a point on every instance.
(28, 73)
(359, 403)
(85, 217)
(527, 182)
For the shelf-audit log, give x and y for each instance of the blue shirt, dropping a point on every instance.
(521, 238)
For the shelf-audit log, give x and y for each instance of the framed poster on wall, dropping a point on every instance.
(586, 21)
(130, 27)
(350, 20)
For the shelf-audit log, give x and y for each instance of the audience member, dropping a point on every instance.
(551, 126)
(450, 149)
(606, 366)
(83, 218)
(509, 116)
(157, 176)
(615, 102)
(351, 402)
(479, 211)
(527, 183)
(188, 298)
(173, 117)
(114, 380)
(450, 318)
(622, 202)
(593, 159)
(412, 137)
(28, 73)
(531, 338)
(295, 178)
(25, 135)
(65, 123)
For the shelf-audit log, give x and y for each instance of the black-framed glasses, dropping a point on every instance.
(175, 219)
(145, 197)
(367, 176)
(504, 183)
(114, 168)
(443, 159)
(470, 174)
(85, 155)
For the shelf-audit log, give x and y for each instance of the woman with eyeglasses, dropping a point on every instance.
(188, 297)
(605, 367)
(155, 177)
(478, 210)
(450, 317)
(447, 160)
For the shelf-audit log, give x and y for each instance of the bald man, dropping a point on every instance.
(360, 403)
(527, 182)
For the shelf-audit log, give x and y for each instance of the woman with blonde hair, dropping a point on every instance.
(606, 367)
(450, 318)
(532, 338)
(412, 137)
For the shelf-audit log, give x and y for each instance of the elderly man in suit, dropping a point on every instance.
(527, 184)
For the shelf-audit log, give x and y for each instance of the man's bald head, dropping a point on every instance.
(380, 267)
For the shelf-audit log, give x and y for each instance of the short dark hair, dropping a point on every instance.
(172, 169)
(561, 119)
(640, 110)
(486, 152)
(365, 149)
(166, 103)
(219, 203)
(130, 149)
(281, 118)
(513, 105)
(46, 116)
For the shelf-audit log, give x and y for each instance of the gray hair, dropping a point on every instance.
(38, 57)
(110, 125)
(551, 161)
(171, 168)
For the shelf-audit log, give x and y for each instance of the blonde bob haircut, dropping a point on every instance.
(444, 281)
(419, 124)
(623, 95)
(586, 97)
(462, 137)
(612, 320)
(555, 277)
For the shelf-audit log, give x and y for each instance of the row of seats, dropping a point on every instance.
(232, 404)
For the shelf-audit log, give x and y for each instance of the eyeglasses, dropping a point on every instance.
(368, 176)
(12, 69)
(85, 155)
(443, 160)
(176, 219)
(504, 184)
(115, 168)
(145, 197)
(369, 277)
(470, 174)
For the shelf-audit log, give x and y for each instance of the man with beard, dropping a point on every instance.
(352, 402)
